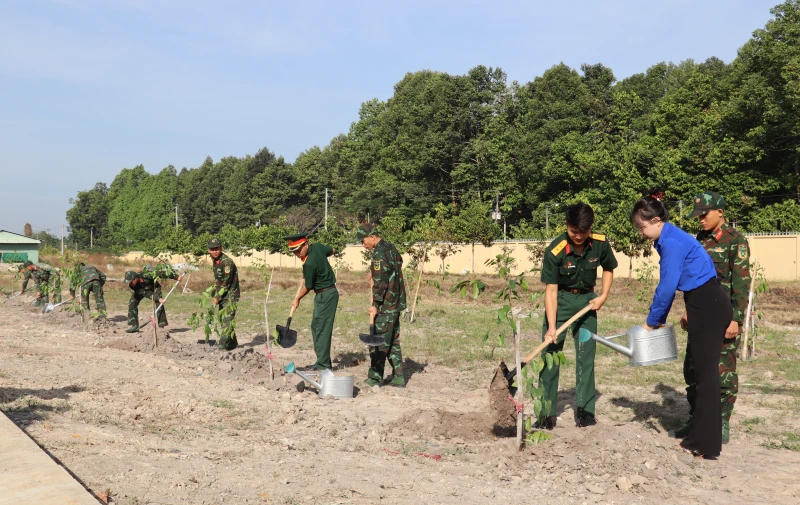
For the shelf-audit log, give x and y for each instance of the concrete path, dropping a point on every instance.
(29, 476)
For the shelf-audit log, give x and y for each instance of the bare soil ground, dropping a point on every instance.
(187, 424)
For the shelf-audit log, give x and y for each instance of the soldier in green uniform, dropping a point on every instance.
(318, 276)
(145, 285)
(91, 280)
(47, 280)
(26, 275)
(731, 254)
(226, 293)
(569, 270)
(388, 301)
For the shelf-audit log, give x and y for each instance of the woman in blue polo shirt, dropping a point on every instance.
(685, 266)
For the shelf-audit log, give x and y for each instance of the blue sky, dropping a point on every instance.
(90, 87)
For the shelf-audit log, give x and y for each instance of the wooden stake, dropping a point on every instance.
(520, 386)
(186, 284)
(416, 291)
(154, 323)
(748, 319)
(266, 322)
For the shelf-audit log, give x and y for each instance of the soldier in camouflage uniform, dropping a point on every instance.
(388, 301)
(47, 280)
(145, 285)
(91, 280)
(226, 293)
(731, 254)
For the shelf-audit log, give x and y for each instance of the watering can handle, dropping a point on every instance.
(559, 331)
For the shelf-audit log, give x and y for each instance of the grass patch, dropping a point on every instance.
(790, 441)
(222, 404)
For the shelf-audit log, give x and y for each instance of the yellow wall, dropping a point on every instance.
(777, 254)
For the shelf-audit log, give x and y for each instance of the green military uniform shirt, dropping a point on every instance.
(226, 277)
(388, 286)
(563, 266)
(317, 272)
(149, 288)
(731, 255)
(88, 274)
(43, 273)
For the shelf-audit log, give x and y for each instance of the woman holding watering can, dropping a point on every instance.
(685, 266)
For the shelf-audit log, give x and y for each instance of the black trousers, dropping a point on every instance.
(709, 312)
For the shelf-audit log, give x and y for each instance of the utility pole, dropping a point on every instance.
(326, 209)
(62, 240)
(547, 221)
(680, 210)
(176, 216)
(91, 238)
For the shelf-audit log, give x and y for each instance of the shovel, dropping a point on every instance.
(50, 307)
(371, 338)
(509, 375)
(287, 337)
(155, 314)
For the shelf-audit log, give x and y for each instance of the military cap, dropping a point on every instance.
(213, 243)
(130, 275)
(28, 264)
(296, 241)
(704, 202)
(365, 230)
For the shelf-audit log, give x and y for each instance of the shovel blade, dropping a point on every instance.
(286, 337)
(372, 340)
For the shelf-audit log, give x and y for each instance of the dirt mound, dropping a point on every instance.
(502, 412)
(243, 362)
(465, 425)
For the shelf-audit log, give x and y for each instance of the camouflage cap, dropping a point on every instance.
(365, 230)
(28, 263)
(213, 243)
(704, 202)
(130, 275)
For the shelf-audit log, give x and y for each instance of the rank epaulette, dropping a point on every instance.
(598, 236)
(558, 248)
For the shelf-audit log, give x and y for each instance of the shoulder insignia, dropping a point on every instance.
(559, 247)
(598, 236)
(742, 252)
(376, 264)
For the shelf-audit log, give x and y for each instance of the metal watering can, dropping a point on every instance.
(644, 347)
(329, 385)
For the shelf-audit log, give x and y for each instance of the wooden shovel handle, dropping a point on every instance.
(559, 331)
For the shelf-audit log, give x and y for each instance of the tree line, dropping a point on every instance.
(438, 157)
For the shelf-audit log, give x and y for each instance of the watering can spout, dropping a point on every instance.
(617, 347)
(290, 368)
(585, 335)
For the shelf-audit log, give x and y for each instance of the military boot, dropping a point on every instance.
(133, 329)
(726, 431)
(683, 431)
(372, 382)
(397, 381)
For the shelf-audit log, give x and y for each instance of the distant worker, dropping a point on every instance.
(91, 280)
(388, 301)
(47, 280)
(226, 293)
(318, 276)
(731, 255)
(145, 285)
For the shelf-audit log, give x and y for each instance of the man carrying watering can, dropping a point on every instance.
(731, 255)
(318, 276)
(569, 270)
(388, 301)
(226, 293)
